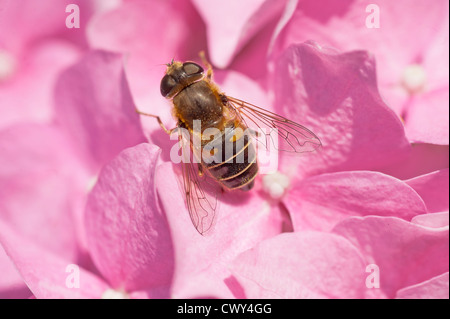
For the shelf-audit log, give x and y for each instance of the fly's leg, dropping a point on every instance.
(159, 121)
(200, 171)
(209, 71)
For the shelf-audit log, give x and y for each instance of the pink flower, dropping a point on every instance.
(358, 132)
(155, 42)
(415, 257)
(339, 264)
(357, 129)
(38, 45)
(46, 274)
(27, 53)
(361, 138)
(47, 279)
(202, 266)
(10, 281)
(133, 245)
(47, 170)
(235, 24)
(84, 196)
(412, 58)
(285, 266)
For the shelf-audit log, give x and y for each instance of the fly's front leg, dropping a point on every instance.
(200, 170)
(159, 121)
(209, 71)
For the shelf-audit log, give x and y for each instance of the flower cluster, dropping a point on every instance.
(91, 205)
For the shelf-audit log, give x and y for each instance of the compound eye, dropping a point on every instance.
(167, 84)
(192, 68)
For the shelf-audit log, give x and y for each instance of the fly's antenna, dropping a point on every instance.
(171, 62)
(168, 64)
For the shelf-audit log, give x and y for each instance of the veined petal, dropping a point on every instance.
(128, 236)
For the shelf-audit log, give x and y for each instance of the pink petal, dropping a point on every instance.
(320, 202)
(47, 274)
(301, 265)
(252, 59)
(423, 159)
(18, 21)
(201, 262)
(12, 285)
(435, 288)
(405, 253)
(335, 95)
(433, 188)
(25, 99)
(155, 41)
(286, 16)
(435, 220)
(436, 59)
(427, 120)
(237, 85)
(128, 236)
(398, 42)
(95, 107)
(342, 25)
(41, 185)
(231, 24)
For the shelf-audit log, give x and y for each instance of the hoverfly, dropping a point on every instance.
(195, 97)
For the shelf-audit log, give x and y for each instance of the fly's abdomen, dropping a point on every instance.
(232, 161)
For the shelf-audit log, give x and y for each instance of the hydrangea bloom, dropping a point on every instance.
(37, 45)
(90, 204)
(412, 81)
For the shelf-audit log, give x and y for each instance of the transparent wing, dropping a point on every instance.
(295, 138)
(201, 191)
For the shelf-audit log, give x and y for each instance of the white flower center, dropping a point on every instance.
(275, 184)
(114, 294)
(414, 78)
(91, 183)
(7, 65)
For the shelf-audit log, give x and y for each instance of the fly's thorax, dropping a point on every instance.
(199, 102)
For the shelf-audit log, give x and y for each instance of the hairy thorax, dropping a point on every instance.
(199, 101)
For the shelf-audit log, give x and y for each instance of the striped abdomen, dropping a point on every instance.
(233, 159)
